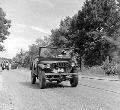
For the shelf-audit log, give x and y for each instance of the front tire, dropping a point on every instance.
(33, 77)
(74, 79)
(42, 79)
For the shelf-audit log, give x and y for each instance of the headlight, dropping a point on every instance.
(72, 64)
(60, 70)
(47, 65)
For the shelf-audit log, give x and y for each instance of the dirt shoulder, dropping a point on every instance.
(98, 73)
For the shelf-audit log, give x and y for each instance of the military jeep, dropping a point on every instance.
(52, 64)
(5, 65)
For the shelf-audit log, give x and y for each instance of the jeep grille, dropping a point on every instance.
(60, 64)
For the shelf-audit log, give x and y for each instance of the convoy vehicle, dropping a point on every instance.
(14, 65)
(53, 65)
(5, 65)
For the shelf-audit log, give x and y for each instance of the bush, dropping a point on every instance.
(110, 68)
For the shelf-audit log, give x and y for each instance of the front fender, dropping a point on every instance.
(42, 66)
(73, 70)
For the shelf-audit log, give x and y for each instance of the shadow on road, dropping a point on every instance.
(48, 85)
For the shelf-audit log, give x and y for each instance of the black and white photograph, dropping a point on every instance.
(59, 54)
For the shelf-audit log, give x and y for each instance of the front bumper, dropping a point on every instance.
(60, 74)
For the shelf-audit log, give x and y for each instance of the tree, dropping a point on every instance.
(34, 48)
(43, 42)
(4, 26)
(60, 37)
(19, 58)
(23, 58)
(104, 19)
(85, 30)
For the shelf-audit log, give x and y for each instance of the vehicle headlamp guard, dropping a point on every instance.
(73, 64)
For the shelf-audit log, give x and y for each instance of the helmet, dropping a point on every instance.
(63, 52)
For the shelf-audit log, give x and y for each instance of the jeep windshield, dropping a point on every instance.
(55, 53)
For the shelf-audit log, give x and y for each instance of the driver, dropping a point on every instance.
(65, 54)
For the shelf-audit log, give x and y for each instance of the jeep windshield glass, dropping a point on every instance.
(55, 53)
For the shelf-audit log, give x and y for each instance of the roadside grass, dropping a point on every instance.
(96, 71)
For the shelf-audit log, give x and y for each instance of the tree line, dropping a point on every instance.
(93, 32)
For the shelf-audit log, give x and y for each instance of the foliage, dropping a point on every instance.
(19, 58)
(4, 26)
(23, 58)
(85, 31)
(109, 67)
(34, 48)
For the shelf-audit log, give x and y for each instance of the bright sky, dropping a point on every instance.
(32, 19)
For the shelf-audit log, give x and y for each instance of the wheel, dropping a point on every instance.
(33, 77)
(42, 79)
(74, 80)
(30, 66)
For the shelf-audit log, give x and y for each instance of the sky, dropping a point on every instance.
(32, 19)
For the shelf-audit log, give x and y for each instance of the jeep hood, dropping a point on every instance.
(54, 60)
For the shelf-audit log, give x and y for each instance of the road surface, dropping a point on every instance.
(17, 93)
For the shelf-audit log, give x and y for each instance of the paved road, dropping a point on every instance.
(18, 94)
